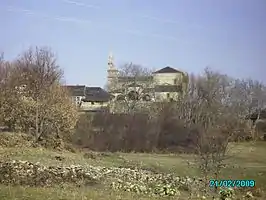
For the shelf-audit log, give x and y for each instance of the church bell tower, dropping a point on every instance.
(112, 74)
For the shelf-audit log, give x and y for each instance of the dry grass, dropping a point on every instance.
(65, 193)
(246, 161)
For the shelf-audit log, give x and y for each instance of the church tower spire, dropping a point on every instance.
(112, 73)
(111, 65)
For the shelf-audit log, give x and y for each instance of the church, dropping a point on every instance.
(164, 84)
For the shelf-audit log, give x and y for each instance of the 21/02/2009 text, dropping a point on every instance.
(232, 183)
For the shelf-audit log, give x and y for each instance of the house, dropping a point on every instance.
(258, 115)
(91, 99)
(96, 99)
(259, 120)
(168, 83)
(164, 84)
(77, 93)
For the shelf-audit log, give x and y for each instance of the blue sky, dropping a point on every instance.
(226, 35)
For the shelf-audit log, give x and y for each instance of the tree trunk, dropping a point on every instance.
(37, 122)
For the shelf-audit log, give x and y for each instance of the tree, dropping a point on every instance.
(34, 97)
(2, 80)
(2, 67)
(250, 97)
(135, 85)
(58, 114)
(8, 98)
(214, 109)
(250, 94)
(207, 111)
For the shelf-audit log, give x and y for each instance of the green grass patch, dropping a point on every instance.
(246, 161)
(66, 193)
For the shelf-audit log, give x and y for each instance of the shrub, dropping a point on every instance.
(10, 139)
(133, 180)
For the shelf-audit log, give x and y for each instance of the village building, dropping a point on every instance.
(164, 84)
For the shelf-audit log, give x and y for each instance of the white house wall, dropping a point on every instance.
(77, 99)
(167, 78)
(93, 106)
(164, 95)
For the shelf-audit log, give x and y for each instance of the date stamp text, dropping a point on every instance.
(229, 183)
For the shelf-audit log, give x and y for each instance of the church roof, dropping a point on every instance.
(167, 70)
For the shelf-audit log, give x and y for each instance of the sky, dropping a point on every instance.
(228, 36)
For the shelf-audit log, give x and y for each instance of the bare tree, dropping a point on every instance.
(2, 80)
(36, 71)
(34, 98)
(249, 96)
(215, 109)
(58, 114)
(8, 97)
(135, 86)
(4, 69)
(206, 111)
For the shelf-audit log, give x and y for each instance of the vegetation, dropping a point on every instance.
(129, 168)
(133, 83)
(167, 150)
(32, 98)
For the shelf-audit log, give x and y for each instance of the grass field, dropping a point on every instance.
(246, 161)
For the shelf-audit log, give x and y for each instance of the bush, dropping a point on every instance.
(17, 140)
(8, 139)
(33, 174)
(133, 132)
(114, 132)
(133, 180)
(32, 97)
